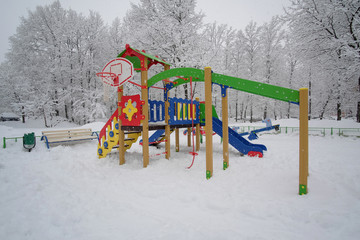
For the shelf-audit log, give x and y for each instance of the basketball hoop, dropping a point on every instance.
(117, 72)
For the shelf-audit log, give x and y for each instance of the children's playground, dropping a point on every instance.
(66, 190)
(137, 115)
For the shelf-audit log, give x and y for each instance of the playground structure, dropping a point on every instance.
(135, 114)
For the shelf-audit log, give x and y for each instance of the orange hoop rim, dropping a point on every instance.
(108, 78)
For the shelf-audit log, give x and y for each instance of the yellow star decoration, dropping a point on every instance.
(129, 110)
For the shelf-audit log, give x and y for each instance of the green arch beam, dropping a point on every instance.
(262, 89)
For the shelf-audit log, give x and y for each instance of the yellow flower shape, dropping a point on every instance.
(129, 110)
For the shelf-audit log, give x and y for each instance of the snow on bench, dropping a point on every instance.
(67, 136)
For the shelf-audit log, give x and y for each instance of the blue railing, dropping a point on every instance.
(181, 111)
(157, 111)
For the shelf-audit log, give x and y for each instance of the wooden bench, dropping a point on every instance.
(67, 136)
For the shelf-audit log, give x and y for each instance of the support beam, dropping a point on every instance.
(120, 131)
(177, 140)
(145, 98)
(225, 126)
(303, 141)
(208, 123)
(189, 137)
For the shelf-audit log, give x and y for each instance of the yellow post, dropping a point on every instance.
(208, 123)
(120, 131)
(145, 98)
(177, 140)
(197, 130)
(167, 118)
(303, 141)
(225, 125)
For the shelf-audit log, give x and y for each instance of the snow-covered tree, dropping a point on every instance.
(169, 28)
(55, 54)
(272, 37)
(329, 31)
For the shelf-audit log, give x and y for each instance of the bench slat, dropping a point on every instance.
(60, 139)
(66, 131)
(70, 135)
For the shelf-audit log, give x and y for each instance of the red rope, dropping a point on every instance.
(183, 78)
(158, 88)
(165, 80)
(158, 154)
(141, 143)
(137, 84)
(193, 153)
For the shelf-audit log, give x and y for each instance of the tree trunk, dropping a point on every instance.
(23, 114)
(251, 113)
(265, 111)
(236, 111)
(186, 91)
(358, 105)
(45, 121)
(66, 112)
(288, 112)
(245, 112)
(275, 116)
(338, 108)
(324, 107)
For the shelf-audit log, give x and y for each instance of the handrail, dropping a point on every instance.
(108, 123)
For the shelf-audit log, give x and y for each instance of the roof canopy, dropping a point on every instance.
(137, 58)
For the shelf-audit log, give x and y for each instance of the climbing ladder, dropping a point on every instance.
(109, 136)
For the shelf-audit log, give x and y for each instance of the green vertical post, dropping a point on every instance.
(4, 140)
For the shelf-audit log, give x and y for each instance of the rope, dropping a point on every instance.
(154, 142)
(158, 154)
(137, 84)
(193, 153)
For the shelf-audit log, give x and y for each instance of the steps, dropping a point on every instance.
(109, 137)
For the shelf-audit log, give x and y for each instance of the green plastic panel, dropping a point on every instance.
(29, 139)
(202, 112)
(198, 75)
(262, 89)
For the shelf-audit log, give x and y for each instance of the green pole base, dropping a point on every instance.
(208, 174)
(302, 189)
(225, 165)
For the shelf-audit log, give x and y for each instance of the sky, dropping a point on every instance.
(235, 13)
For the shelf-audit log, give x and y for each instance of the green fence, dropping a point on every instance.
(312, 130)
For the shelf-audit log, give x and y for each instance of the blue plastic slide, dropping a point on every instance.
(156, 137)
(238, 142)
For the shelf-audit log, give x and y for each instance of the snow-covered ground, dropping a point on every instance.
(68, 193)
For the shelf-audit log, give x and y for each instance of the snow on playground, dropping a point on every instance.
(68, 193)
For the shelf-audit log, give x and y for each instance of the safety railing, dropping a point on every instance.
(157, 111)
(182, 112)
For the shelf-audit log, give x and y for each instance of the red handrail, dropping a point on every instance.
(103, 130)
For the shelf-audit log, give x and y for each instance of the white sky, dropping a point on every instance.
(236, 13)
